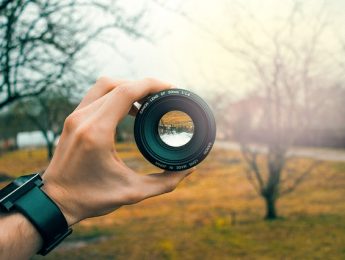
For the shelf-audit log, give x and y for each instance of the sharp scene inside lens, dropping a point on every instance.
(176, 128)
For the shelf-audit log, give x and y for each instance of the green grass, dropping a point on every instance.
(214, 214)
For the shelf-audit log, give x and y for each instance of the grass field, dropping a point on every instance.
(214, 214)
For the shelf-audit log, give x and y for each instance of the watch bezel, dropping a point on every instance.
(20, 187)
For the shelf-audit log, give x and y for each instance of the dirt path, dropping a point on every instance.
(327, 154)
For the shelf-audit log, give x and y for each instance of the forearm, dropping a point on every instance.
(19, 239)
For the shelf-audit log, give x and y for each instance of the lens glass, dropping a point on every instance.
(176, 128)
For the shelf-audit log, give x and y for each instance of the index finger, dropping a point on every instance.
(121, 99)
(102, 86)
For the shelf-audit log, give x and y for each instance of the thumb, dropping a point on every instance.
(164, 182)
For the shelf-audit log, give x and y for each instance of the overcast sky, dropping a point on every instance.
(189, 52)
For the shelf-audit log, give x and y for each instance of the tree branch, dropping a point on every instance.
(299, 180)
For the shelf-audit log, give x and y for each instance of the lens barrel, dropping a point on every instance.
(151, 145)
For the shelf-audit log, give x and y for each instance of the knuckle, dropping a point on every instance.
(132, 197)
(149, 79)
(169, 187)
(126, 91)
(134, 192)
(84, 136)
(103, 80)
(70, 122)
(105, 83)
(155, 82)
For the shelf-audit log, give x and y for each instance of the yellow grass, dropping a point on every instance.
(176, 117)
(214, 214)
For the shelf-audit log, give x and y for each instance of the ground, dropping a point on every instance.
(214, 214)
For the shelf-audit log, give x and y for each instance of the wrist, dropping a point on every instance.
(27, 196)
(60, 198)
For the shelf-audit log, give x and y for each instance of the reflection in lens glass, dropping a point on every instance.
(176, 128)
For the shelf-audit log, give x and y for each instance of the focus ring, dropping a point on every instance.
(149, 142)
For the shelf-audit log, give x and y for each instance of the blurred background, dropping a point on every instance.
(273, 186)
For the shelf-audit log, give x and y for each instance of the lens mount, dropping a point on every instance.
(158, 152)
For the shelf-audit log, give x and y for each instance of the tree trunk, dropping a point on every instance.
(50, 150)
(271, 211)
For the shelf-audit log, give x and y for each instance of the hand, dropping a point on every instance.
(86, 177)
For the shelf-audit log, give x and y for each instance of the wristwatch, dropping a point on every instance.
(24, 194)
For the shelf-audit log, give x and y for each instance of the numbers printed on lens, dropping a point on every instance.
(176, 128)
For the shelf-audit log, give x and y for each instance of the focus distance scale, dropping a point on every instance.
(174, 129)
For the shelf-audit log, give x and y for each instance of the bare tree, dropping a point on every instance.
(47, 113)
(290, 80)
(42, 41)
(291, 69)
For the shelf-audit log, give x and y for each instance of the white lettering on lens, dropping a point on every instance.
(180, 167)
(160, 164)
(193, 162)
(153, 98)
(173, 91)
(186, 93)
(207, 149)
(143, 108)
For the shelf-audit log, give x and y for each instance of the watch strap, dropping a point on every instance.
(46, 216)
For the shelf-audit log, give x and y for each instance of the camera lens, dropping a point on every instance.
(174, 129)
